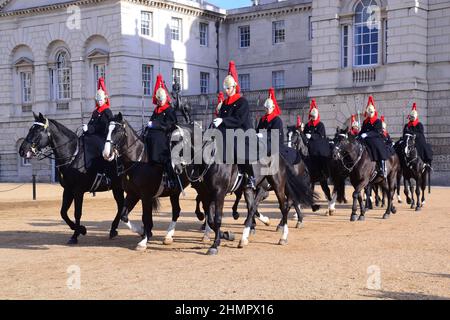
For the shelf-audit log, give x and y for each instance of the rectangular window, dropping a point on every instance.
(178, 74)
(278, 32)
(63, 84)
(310, 76)
(25, 81)
(204, 82)
(385, 42)
(244, 82)
(147, 79)
(365, 45)
(344, 43)
(176, 29)
(310, 29)
(146, 23)
(244, 37)
(278, 79)
(204, 34)
(99, 71)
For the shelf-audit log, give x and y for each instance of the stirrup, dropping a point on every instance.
(100, 181)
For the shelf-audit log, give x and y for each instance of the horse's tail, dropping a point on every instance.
(429, 179)
(299, 191)
(156, 205)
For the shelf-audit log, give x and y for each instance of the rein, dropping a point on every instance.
(342, 158)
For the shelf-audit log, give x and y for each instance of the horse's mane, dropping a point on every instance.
(66, 131)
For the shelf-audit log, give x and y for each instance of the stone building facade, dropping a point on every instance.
(52, 52)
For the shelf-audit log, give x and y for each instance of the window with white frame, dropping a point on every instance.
(278, 32)
(204, 82)
(244, 36)
(62, 77)
(99, 72)
(147, 79)
(146, 23)
(365, 34)
(176, 29)
(177, 74)
(344, 46)
(244, 81)
(278, 79)
(204, 34)
(25, 83)
(385, 42)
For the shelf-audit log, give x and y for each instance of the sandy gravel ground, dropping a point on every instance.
(405, 257)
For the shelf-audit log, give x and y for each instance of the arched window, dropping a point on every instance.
(63, 76)
(366, 30)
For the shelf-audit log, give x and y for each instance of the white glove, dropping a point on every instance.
(259, 135)
(364, 135)
(85, 127)
(217, 122)
(150, 124)
(308, 135)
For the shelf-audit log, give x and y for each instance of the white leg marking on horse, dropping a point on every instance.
(143, 243)
(263, 218)
(284, 236)
(208, 230)
(246, 233)
(332, 203)
(136, 229)
(399, 198)
(171, 230)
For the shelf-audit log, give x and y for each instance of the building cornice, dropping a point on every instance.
(236, 17)
(168, 5)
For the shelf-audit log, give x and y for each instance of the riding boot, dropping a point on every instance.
(171, 181)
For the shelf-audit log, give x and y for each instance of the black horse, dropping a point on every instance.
(216, 180)
(318, 172)
(76, 180)
(141, 180)
(353, 156)
(413, 168)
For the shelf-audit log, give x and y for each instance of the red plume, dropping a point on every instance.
(101, 85)
(382, 118)
(313, 104)
(375, 117)
(299, 122)
(414, 107)
(276, 111)
(160, 84)
(232, 72)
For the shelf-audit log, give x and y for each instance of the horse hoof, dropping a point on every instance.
(228, 235)
(283, 242)
(315, 207)
(168, 241)
(267, 223)
(235, 215)
(141, 247)
(206, 239)
(279, 228)
(394, 210)
(331, 212)
(362, 218)
(200, 216)
(412, 206)
(82, 230)
(399, 201)
(408, 201)
(252, 231)
(299, 225)
(212, 252)
(113, 234)
(353, 217)
(72, 241)
(418, 209)
(386, 216)
(202, 228)
(124, 219)
(243, 243)
(423, 203)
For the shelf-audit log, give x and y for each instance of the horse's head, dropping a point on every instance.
(410, 146)
(181, 146)
(117, 137)
(345, 146)
(38, 137)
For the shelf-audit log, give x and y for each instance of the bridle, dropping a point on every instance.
(408, 150)
(36, 150)
(341, 155)
(115, 147)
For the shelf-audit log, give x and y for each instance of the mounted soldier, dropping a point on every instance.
(272, 121)
(372, 133)
(161, 124)
(234, 114)
(94, 135)
(354, 126)
(415, 127)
